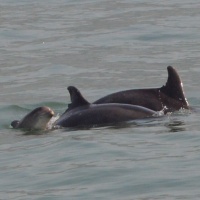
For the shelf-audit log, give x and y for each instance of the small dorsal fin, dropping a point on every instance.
(76, 98)
(174, 86)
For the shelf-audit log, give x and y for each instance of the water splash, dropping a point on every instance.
(50, 124)
(160, 113)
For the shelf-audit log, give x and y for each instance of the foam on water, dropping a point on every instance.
(50, 124)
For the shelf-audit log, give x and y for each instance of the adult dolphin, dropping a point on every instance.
(81, 113)
(170, 96)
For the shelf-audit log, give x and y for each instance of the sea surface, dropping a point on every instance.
(99, 46)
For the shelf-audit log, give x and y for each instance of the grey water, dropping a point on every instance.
(100, 47)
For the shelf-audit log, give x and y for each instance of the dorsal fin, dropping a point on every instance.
(76, 98)
(174, 86)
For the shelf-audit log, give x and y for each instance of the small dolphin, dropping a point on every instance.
(36, 119)
(81, 113)
(169, 97)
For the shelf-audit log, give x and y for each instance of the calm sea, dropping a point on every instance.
(99, 46)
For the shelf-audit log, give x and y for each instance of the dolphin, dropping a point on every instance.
(36, 119)
(81, 113)
(169, 97)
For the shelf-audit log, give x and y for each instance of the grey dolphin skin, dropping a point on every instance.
(36, 119)
(83, 114)
(114, 108)
(170, 96)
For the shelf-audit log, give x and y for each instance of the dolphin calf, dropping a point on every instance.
(169, 97)
(36, 119)
(81, 113)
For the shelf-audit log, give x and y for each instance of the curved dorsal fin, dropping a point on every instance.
(76, 98)
(174, 86)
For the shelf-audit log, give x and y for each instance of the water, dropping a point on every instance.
(100, 47)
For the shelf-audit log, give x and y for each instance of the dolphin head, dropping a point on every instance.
(36, 119)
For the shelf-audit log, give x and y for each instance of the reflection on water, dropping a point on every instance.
(176, 126)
